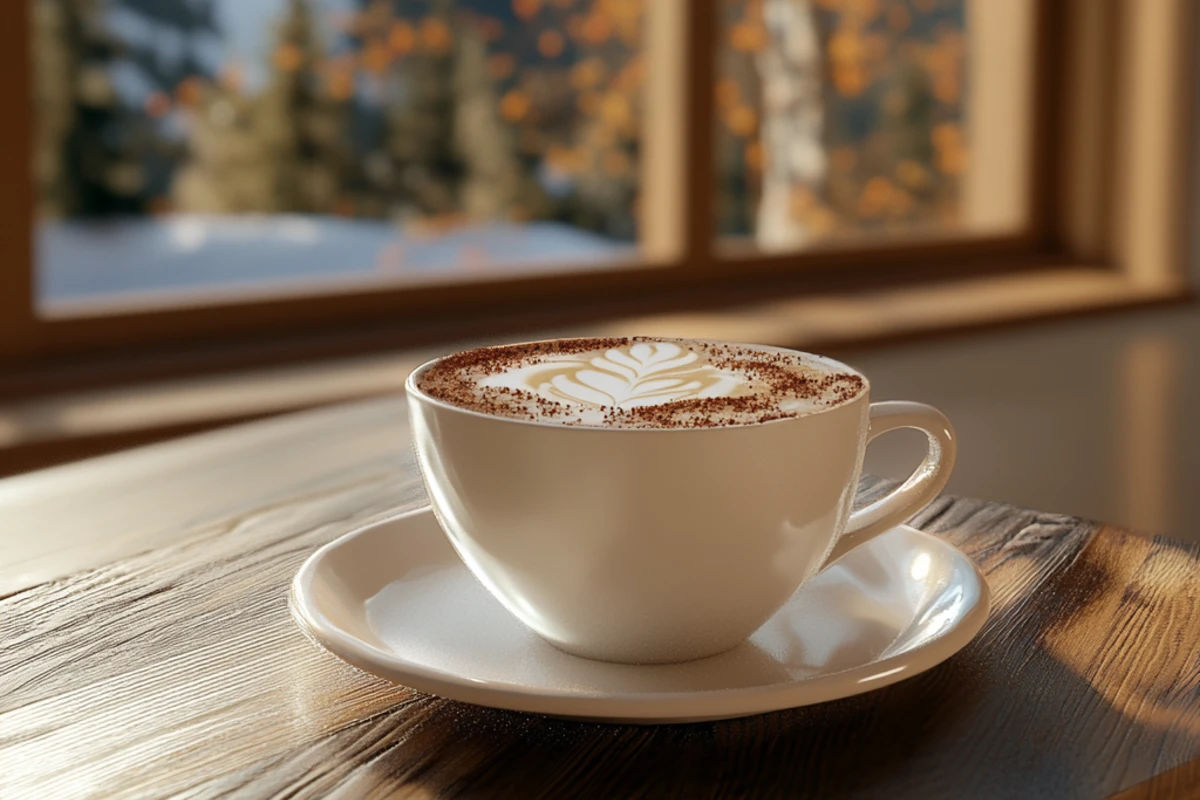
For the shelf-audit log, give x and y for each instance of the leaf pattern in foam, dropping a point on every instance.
(645, 373)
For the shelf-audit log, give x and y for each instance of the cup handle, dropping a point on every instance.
(921, 487)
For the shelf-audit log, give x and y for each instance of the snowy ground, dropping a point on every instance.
(185, 259)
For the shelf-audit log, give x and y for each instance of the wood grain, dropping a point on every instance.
(167, 664)
(1182, 781)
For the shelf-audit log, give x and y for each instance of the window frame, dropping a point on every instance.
(1105, 192)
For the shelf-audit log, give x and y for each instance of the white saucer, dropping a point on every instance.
(395, 600)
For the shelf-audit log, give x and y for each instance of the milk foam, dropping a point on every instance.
(639, 383)
(633, 375)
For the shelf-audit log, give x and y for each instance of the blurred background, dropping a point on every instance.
(200, 145)
(244, 208)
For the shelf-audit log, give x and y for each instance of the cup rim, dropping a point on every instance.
(413, 391)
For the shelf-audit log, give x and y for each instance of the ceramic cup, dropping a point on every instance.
(660, 545)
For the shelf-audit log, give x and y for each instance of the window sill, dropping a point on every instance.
(49, 429)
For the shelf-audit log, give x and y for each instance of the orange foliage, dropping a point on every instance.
(950, 148)
(627, 18)
(861, 10)
(341, 83)
(587, 73)
(804, 207)
(402, 38)
(436, 35)
(616, 111)
(944, 62)
(501, 65)
(898, 18)
(843, 159)
(876, 198)
(160, 205)
(588, 102)
(875, 48)
(598, 139)
(616, 163)
(848, 53)
(596, 29)
(565, 159)
(902, 203)
(490, 28)
(630, 77)
(752, 155)
(847, 46)
(742, 121)
(188, 91)
(288, 57)
(849, 79)
(526, 9)
(157, 104)
(374, 17)
(233, 77)
(376, 57)
(728, 94)
(564, 3)
(550, 44)
(748, 38)
(913, 175)
(514, 105)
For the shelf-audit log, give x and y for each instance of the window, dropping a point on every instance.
(839, 122)
(205, 169)
(190, 151)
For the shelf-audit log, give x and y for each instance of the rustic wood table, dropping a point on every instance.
(146, 649)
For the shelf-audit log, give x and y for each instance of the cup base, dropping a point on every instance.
(658, 656)
(395, 600)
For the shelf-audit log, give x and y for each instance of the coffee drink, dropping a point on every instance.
(640, 383)
(621, 498)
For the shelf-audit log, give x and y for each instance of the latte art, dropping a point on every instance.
(632, 375)
(638, 383)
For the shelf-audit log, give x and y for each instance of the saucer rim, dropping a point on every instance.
(641, 707)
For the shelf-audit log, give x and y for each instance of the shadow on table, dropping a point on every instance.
(1018, 713)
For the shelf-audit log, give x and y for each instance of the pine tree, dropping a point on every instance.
(54, 107)
(229, 168)
(84, 161)
(302, 128)
(93, 155)
(492, 185)
(421, 124)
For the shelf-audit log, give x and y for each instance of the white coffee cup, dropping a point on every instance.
(660, 545)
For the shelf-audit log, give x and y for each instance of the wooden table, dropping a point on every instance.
(146, 649)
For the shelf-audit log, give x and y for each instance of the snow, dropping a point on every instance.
(82, 263)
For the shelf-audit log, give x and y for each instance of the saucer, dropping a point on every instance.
(394, 599)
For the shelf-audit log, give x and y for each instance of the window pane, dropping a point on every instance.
(840, 121)
(188, 150)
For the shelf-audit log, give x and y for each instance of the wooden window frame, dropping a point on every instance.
(1105, 191)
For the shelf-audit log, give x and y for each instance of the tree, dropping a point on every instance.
(84, 161)
(283, 150)
(491, 185)
(54, 76)
(230, 167)
(421, 123)
(302, 128)
(94, 155)
(793, 120)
